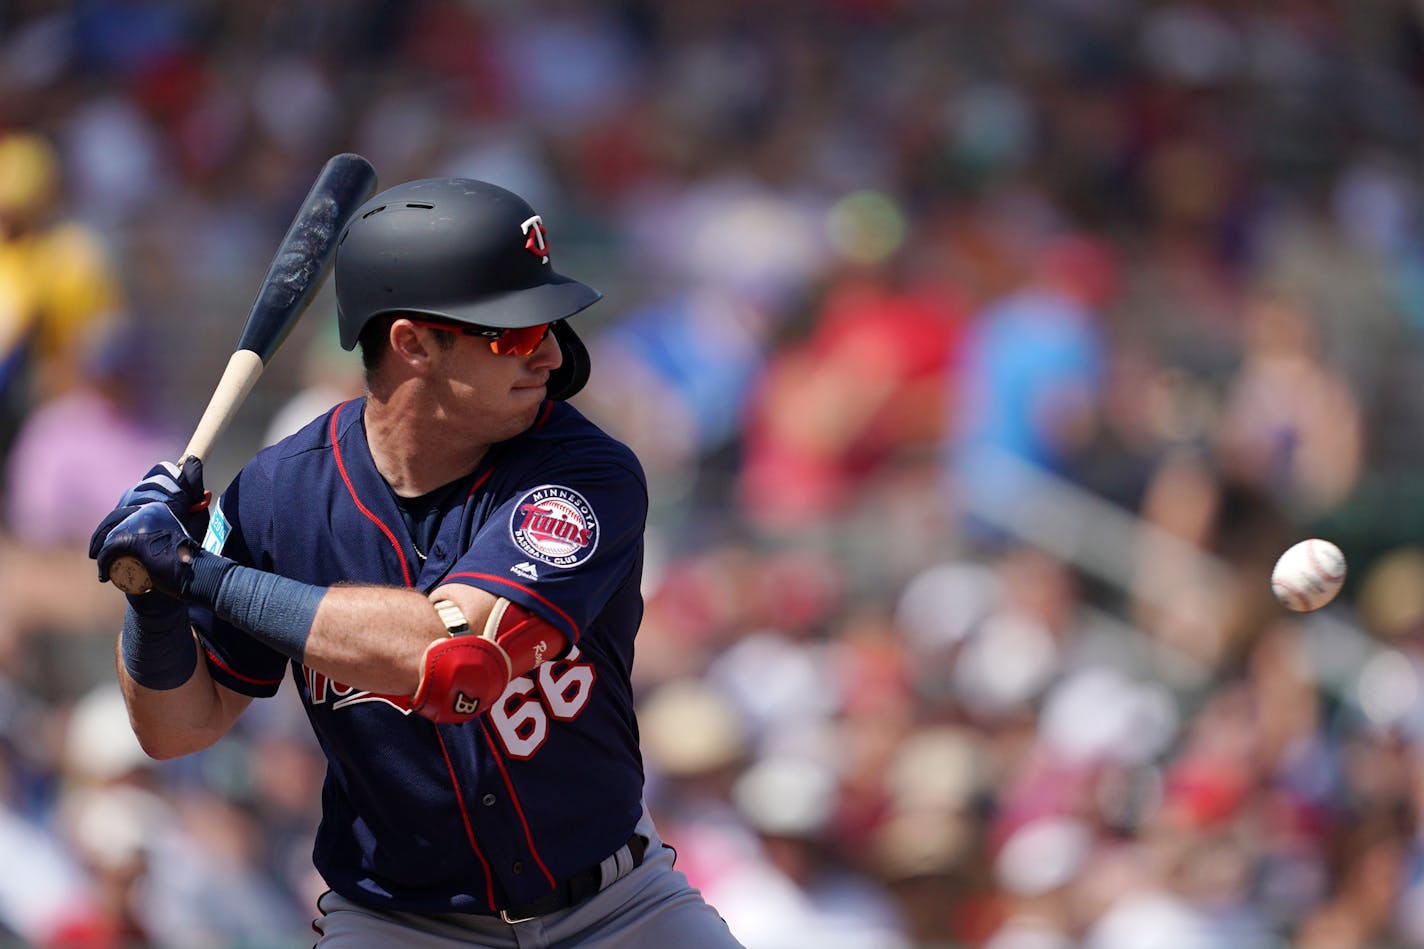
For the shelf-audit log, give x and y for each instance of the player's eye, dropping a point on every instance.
(513, 341)
(519, 341)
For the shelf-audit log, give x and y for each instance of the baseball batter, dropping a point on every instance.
(450, 569)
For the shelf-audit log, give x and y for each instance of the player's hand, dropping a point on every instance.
(179, 489)
(155, 536)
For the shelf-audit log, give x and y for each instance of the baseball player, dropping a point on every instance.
(450, 568)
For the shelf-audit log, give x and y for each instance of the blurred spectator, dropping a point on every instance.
(141, 844)
(56, 278)
(694, 746)
(678, 374)
(856, 397)
(75, 453)
(1291, 422)
(79, 449)
(1028, 380)
(802, 894)
(111, 815)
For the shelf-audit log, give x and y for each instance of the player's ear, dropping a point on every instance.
(410, 343)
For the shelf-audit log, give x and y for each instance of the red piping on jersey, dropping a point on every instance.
(238, 675)
(544, 416)
(521, 587)
(351, 489)
(465, 817)
(479, 481)
(518, 808)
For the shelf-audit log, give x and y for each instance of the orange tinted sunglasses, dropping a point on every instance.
(515, 341)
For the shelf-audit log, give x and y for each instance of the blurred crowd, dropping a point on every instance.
(982, 354)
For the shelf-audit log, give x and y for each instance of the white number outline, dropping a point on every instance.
(527, 705)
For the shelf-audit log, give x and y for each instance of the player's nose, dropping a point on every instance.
(548, 355)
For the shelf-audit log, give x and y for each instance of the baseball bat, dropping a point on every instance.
(297, 271)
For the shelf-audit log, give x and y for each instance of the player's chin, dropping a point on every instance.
(527, 399)
(529, 394)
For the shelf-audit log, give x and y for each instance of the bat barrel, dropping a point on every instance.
(299, 268)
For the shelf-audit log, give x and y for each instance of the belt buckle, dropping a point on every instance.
(511, 920)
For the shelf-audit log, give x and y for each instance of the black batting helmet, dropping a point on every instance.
(461, 250)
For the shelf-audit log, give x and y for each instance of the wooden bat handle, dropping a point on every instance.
(243, 369)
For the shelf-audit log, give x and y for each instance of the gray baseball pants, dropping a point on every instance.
(653, 906)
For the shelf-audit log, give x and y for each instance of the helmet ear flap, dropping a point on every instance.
(570, 377)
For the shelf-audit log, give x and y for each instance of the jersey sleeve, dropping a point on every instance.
(236, 530)
(563, 540)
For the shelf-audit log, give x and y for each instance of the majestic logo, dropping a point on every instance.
(554, 524)
(536, 238)
(526, 570)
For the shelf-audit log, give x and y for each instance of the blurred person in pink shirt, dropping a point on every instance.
(78, 451)
(72, 456)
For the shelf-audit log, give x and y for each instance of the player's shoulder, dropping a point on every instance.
(564, 432)
(310, 443)
(316, 435)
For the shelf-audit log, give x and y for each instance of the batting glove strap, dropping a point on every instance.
(460, 677)
(157, 644)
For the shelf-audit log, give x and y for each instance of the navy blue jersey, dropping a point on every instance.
(490, 813)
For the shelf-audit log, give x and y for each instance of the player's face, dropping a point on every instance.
(497, 395)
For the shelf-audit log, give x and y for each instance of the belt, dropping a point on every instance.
(581, 886)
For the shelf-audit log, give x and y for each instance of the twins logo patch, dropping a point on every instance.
(554, 524)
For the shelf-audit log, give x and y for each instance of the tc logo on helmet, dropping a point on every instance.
(537, 242)
(554, 524)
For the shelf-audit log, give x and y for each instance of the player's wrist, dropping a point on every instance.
(206, 573)
(275, 610)
(157, 644)
(155, 606)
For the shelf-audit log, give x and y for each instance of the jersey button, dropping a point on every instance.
(518, 866)
(487, 800)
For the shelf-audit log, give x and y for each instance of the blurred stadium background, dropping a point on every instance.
(982, 356)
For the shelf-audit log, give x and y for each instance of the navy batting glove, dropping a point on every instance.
(156, 537)
(179, 489)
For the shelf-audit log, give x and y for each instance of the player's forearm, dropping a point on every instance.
(178, 721)
(368, 637)
(372, 638)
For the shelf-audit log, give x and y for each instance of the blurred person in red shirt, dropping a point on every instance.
(861, 391)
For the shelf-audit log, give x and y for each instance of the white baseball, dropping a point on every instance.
(1308, 575)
